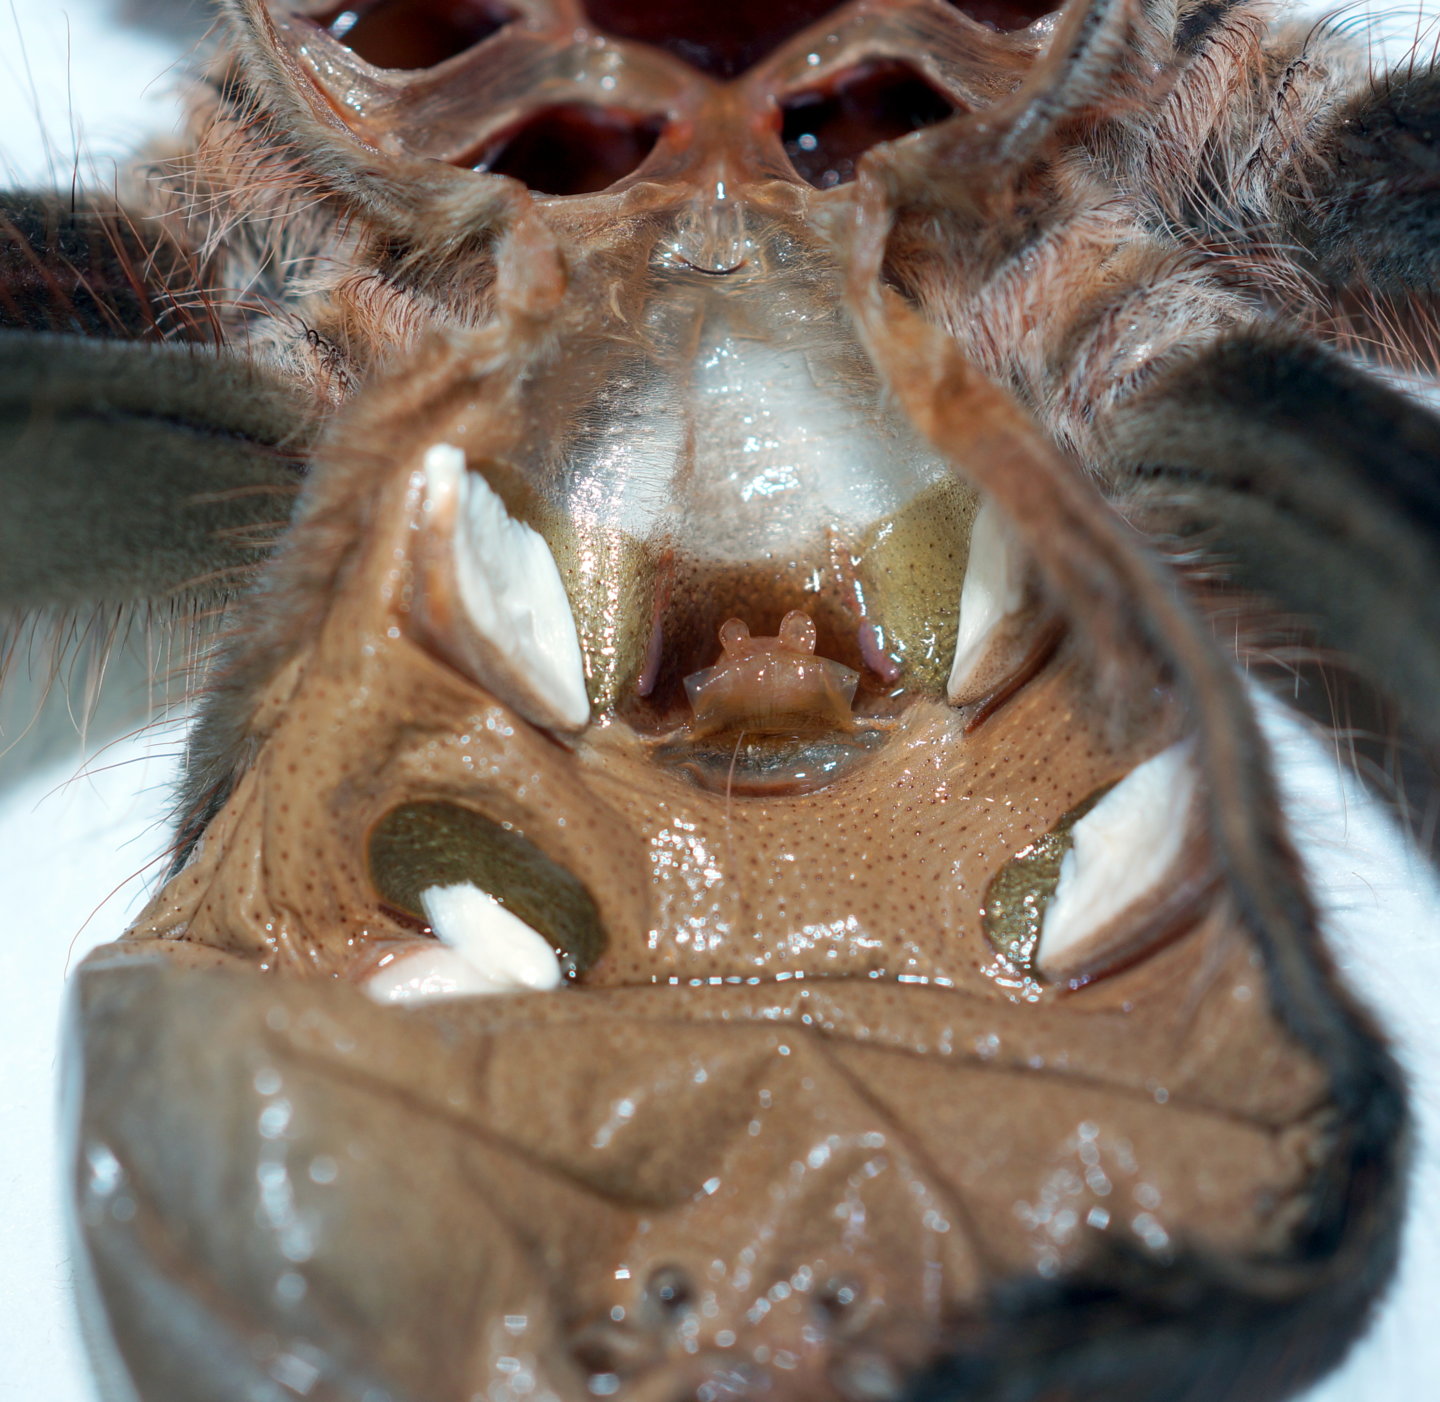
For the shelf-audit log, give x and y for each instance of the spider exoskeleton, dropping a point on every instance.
(917, 998)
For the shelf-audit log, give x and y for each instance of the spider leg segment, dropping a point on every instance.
(1315, 487)
(1363, 195)
(140, 464)
(142, 475)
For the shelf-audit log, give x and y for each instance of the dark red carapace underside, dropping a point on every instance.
(725, 37)
(721, 38)
(582, 148)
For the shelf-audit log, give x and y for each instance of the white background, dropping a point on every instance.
(82, 817)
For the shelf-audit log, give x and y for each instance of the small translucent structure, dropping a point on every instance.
(772, 685)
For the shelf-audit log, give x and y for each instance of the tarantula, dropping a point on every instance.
(725, 771)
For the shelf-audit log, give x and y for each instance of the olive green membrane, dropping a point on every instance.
(421, 845)
(611, 579)
(1021, 891)
(911, 566)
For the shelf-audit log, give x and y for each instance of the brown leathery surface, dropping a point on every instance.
(794, 1062)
